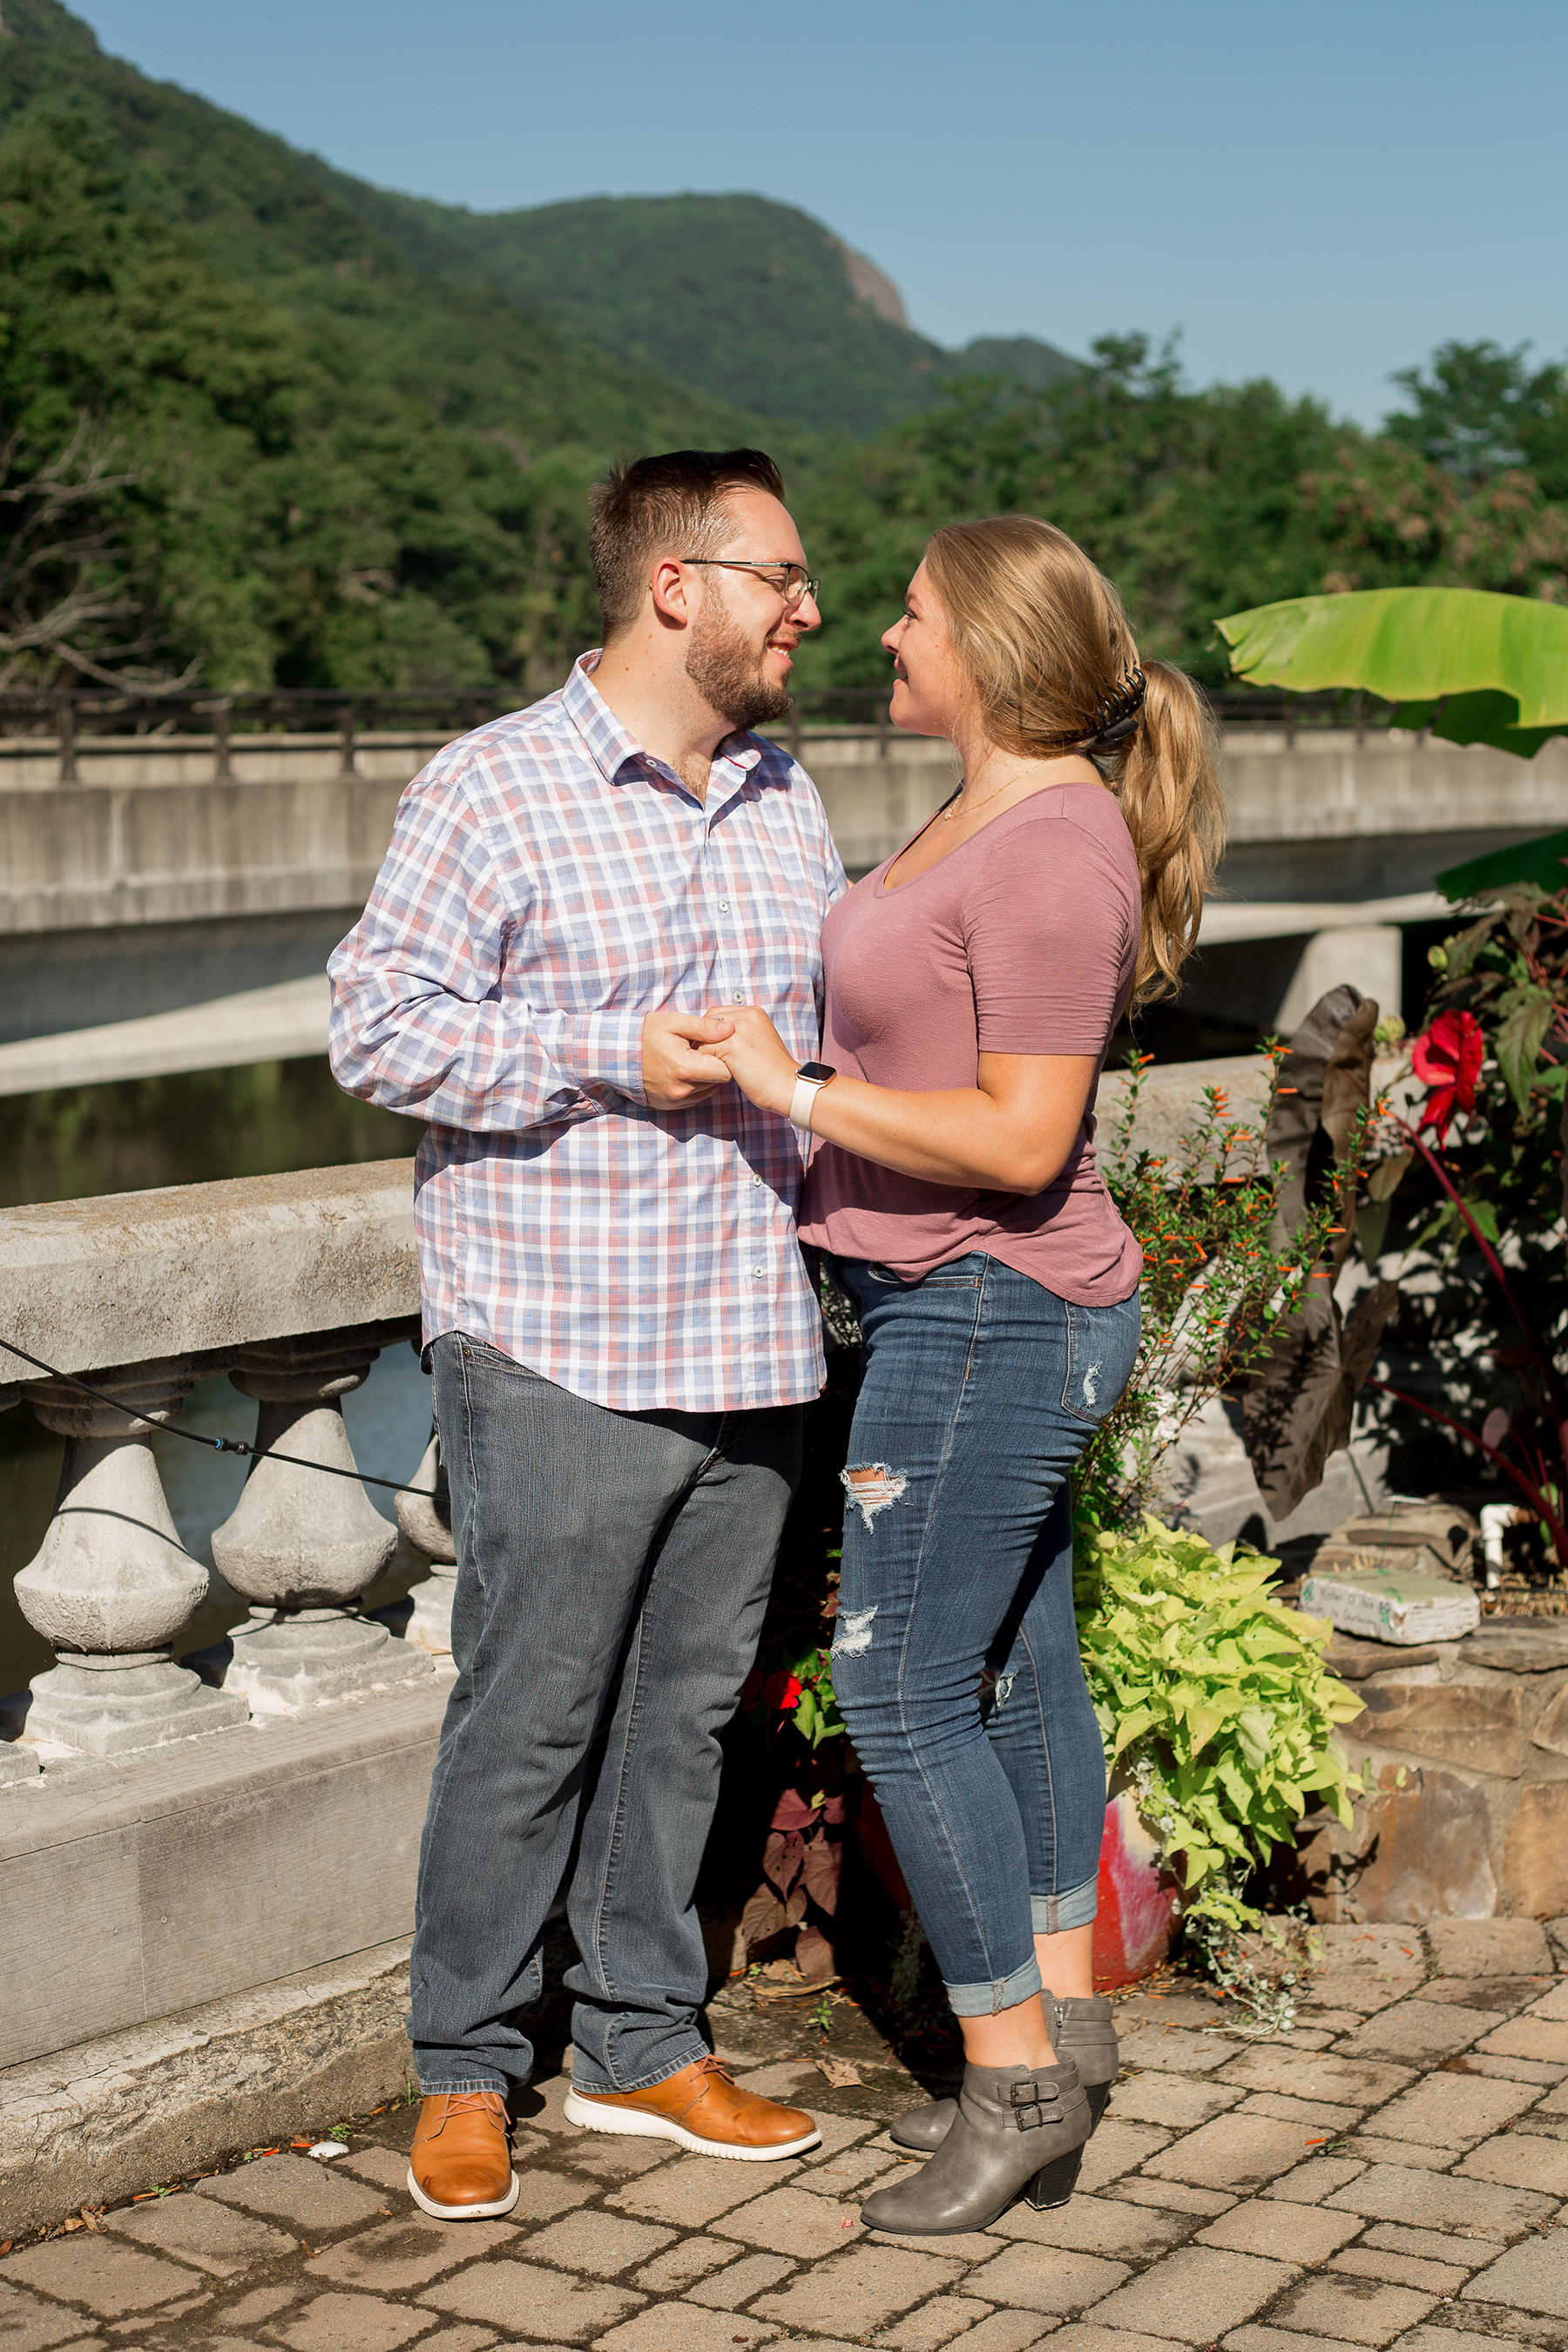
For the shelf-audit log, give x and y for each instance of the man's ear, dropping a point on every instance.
(669, 597)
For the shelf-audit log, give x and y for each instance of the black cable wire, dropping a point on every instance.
(218, 1444)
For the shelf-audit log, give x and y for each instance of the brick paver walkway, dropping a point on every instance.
(1391, 2173)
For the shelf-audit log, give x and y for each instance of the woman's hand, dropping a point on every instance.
(757, 1058)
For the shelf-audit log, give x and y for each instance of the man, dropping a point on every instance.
(619, 1326)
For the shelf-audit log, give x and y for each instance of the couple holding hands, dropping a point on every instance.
(612, 958)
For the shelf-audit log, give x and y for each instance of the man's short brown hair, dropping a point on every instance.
(672, 504)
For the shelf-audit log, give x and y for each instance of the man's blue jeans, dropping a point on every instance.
(613, 1569)
(955, 1659)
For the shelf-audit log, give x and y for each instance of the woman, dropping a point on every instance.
(973, 982)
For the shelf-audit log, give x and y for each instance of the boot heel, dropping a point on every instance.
(1056, 2184)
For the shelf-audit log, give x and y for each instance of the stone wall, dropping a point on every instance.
(1466, 1810)
(152, 883)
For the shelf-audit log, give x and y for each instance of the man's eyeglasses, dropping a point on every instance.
(792, 581)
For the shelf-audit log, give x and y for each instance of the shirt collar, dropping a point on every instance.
(619, 755)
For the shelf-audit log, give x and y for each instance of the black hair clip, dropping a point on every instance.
(1118, 714)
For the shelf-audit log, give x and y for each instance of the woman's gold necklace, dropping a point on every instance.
(951, 816)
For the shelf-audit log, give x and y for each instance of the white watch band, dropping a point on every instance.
(805, 1093)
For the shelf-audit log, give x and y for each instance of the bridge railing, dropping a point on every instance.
(292, 1286)
(61, 720)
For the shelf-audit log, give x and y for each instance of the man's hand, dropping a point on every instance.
(676, 1071)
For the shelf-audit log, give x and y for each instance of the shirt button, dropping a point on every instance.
(740, 998)
(759, 1271)
(756, 1180)
(723, 906)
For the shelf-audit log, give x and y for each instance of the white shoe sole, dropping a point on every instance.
(464, 2213)
(630, 2123)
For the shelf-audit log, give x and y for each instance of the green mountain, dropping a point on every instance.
(261, 213)
(745, 299)
(261, 423)
(245, 442)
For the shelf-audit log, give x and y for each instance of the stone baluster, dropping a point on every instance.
(303, 1547)
(426, 1521)
(113, 1584)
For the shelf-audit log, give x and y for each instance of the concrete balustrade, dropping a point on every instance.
(114, 1585)
(290, 1285)
(303, 1546)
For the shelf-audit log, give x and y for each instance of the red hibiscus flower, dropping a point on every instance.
(1449, 1057)
(783, 1691)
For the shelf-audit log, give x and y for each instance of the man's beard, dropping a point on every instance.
(726, 670)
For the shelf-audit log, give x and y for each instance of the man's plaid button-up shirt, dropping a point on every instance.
(548, 883)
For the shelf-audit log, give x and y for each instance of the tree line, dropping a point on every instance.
(195, 485)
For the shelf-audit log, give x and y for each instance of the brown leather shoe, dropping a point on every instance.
(460, 2166)
(702, 2109)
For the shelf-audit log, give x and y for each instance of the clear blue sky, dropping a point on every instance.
(1316, 193)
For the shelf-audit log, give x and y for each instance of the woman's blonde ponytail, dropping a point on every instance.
(1169, 788)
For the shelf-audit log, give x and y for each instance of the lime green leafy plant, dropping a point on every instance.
(1213, 1700)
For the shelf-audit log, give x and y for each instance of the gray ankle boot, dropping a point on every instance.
(1083, 2030)
(1013, 2126)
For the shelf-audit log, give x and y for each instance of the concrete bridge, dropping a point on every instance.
(170, 905)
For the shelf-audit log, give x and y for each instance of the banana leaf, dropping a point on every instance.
(1540, 861)
(1471, 666)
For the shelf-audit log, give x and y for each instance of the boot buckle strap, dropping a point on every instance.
(1035, 2103)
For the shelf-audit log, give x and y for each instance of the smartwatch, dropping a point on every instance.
(809, 1081)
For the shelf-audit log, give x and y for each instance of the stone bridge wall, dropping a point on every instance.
(150, 884)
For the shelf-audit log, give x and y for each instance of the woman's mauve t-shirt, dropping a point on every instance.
(1022, 940)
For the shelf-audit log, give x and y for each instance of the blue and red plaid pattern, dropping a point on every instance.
(548, 883)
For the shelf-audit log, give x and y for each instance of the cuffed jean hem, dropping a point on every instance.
(465, 2082)
(587, 2079)
(1052, 1915)
(986, 1999)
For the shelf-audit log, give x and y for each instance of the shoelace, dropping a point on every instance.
(463, 2103)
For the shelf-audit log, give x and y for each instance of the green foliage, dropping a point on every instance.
(1267, 1994)
(1509, 970)
(327, 470)
(1475, 666)
(1195, 502)
(1479, 411)
(1540, 861)
(266, 216)
(1499, 1218)
(1213, 1700)
(277, 515)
